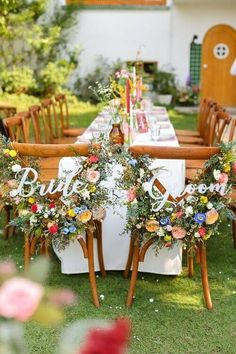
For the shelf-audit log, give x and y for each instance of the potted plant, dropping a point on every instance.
(164, 85)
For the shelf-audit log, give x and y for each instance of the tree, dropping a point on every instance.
(33, 46)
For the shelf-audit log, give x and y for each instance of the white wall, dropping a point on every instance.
(120, 34)
(190, 19)
(163, 35)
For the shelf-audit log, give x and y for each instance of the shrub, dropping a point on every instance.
(17, 80)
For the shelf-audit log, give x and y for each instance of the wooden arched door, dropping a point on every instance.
(218, 54)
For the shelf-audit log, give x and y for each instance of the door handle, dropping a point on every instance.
(205, 66)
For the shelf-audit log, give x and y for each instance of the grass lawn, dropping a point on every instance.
(176, 321)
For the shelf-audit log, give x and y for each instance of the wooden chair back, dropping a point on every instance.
(40, 125)
(204, 110)
(219, 123)
(16, 128)
(232, 130)
(52, 117)
(50, 155)
(62, 106)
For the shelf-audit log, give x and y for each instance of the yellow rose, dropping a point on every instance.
(211, 216)
(227, 167)
(92, 188)
(6, 151)
(167, 238)
(173, 216)
(31, 200)
(71, 213)
(203, 199)
(207, 236)
(85, 216)
(152, 225)
(12, 153)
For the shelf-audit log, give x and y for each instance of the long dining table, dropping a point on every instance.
(116, 243)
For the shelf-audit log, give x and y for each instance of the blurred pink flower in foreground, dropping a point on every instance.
(64, 297)
(19, 298)
(7, 268)
(113, 340)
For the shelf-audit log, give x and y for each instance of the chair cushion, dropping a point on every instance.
(183, 132)
(73, 131)
(190, 140)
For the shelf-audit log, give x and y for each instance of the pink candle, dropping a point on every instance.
(127, 89)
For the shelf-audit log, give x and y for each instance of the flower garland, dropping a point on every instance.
(57, 217)
(194, 218)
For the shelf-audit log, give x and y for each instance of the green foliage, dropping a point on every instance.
(18, 80)
(101, 75)
(34, 37)
(54, 75)
(186, 97)
(164, 82)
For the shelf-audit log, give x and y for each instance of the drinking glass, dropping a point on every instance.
(155, 131)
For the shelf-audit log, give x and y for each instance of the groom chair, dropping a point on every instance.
(137, 252)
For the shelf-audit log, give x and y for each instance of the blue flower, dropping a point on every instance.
(77, 210)
(72, 229)
(83, 207)
(65, 231)
(164, 221)
(133, 162)
(199, 218)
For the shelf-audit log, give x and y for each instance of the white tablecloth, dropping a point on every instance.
(115, 246)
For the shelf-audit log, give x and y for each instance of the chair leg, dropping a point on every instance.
(130, 257)
(234, 233)
(92, 278)
(134, 275)
(7, 220)
(190, 265)
(204, 275)
(98, 225)
(27, 252)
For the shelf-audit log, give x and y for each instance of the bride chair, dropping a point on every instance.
(46, 152)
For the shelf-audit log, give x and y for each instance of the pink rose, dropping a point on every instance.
(223, 178)
(93, 159)
(179, 214)
(93, 176)
(202, 231)
(12, 183)
(19, 298)
(131, 195)
(178, 232)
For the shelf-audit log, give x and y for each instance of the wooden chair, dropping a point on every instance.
(16, 129)
(204, 140)
(137, 252)
(219, 122)
(62, 108)
(41, 129)
(48, 151)
(54, 123)
(204, 109)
